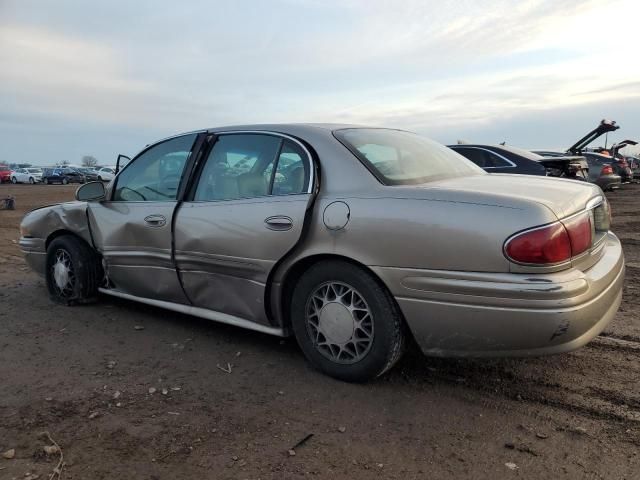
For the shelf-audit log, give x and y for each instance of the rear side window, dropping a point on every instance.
(483, 158)
(396, 157)
(495, 161)
(252, 165)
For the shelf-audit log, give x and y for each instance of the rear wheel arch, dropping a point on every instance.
(358, 341)
(295, 272)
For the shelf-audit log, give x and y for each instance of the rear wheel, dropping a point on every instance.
(73, 271)
(346, 322)
(31, 180)
(14, 180)
(64, 180)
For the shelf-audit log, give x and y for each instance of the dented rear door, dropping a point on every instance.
(247, 211)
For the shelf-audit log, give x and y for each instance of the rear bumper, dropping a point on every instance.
(609, 182)
(482, 315)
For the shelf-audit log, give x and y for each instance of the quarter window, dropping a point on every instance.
(292, 171)
(155, 175)
(497, 162)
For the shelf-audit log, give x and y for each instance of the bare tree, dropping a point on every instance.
(89, 161)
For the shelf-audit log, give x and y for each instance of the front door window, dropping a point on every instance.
(155, 175)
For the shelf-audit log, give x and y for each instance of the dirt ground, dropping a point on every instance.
(84, 374)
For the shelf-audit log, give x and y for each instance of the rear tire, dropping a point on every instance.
(14, 180)
(31, 180)
(65, 181)
(346, 322)
(73, 271)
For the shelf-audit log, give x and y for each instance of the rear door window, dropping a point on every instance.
(250, 165)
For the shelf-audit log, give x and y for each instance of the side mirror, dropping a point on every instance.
(91, 191)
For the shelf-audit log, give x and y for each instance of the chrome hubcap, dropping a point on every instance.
(339, 322)
(63, 274)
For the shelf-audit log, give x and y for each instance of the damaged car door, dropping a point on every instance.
(246, 210)
(132, 227)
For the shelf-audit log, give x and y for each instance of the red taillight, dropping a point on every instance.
(555, 243)
(580, 233)
(541, 246)
(606, 170)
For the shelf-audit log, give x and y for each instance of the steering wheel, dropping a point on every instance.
(135, 192)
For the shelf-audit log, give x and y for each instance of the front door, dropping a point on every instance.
(245, 212)
(132, 229)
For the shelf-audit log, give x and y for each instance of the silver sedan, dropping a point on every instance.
(352, 239)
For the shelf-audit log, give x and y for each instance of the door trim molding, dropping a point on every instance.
(199, 312)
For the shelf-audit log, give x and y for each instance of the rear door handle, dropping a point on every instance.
(278, 223)
(155, 220)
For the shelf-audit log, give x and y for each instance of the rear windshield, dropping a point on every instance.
(396, 157)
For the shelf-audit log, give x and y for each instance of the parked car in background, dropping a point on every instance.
(602, 171)
(496, 159)
(105, 174)
(370, 237)
(90, 174)
(26, 175)
(634, 165)
(508, 159)
(621, 167)
(5, 174)
(595, 172)
(63, 175)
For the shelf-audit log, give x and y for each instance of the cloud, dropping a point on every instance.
(161, 67)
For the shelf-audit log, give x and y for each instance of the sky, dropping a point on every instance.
(101, 78)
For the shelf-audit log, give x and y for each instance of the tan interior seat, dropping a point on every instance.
(252, 185)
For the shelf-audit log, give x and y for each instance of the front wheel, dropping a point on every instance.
(14, 180)
(65, 181)
(73, 271)
(346, 323)
(31, 180)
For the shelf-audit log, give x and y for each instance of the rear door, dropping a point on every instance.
(133, 228)
(245, 212)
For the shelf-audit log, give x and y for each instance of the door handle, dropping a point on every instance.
(278, 223)
(155, 220)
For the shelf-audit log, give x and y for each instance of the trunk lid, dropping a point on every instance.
(566, 166)
(562, 196)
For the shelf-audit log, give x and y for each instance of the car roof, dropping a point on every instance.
(293, 129)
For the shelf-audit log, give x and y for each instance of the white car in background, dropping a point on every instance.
(26, 175)
(105, 174)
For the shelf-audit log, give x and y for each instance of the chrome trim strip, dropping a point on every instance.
(199, 312)
(277, 134)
